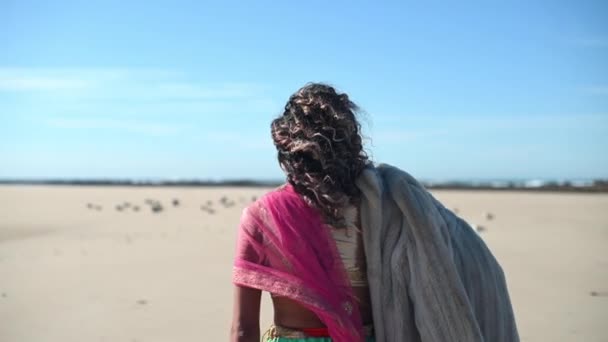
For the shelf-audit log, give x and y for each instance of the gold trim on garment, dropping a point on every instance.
(276, 331)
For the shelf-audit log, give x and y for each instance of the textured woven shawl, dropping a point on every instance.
(431, 277)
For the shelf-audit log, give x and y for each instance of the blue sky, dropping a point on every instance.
(140, 89)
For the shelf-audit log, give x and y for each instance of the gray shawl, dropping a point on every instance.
(431, 277)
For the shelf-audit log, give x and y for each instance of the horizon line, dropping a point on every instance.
(590, 185)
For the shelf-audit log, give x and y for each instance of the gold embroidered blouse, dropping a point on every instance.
(350, 246)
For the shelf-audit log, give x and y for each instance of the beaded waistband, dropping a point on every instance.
(279, 331)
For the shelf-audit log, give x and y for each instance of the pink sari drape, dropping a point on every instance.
(285, 248)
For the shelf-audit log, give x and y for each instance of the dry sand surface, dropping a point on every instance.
(70, 273)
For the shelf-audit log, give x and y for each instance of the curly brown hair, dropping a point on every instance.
(320, 148)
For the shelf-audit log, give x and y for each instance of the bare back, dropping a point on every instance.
(289, 313)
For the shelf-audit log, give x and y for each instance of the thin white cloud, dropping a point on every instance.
(132, 126)
(123, 84)
(54, 79)
(40, 83)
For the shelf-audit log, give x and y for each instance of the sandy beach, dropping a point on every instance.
(75, 267)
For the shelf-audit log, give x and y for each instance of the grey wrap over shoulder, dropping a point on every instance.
(431, 277)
